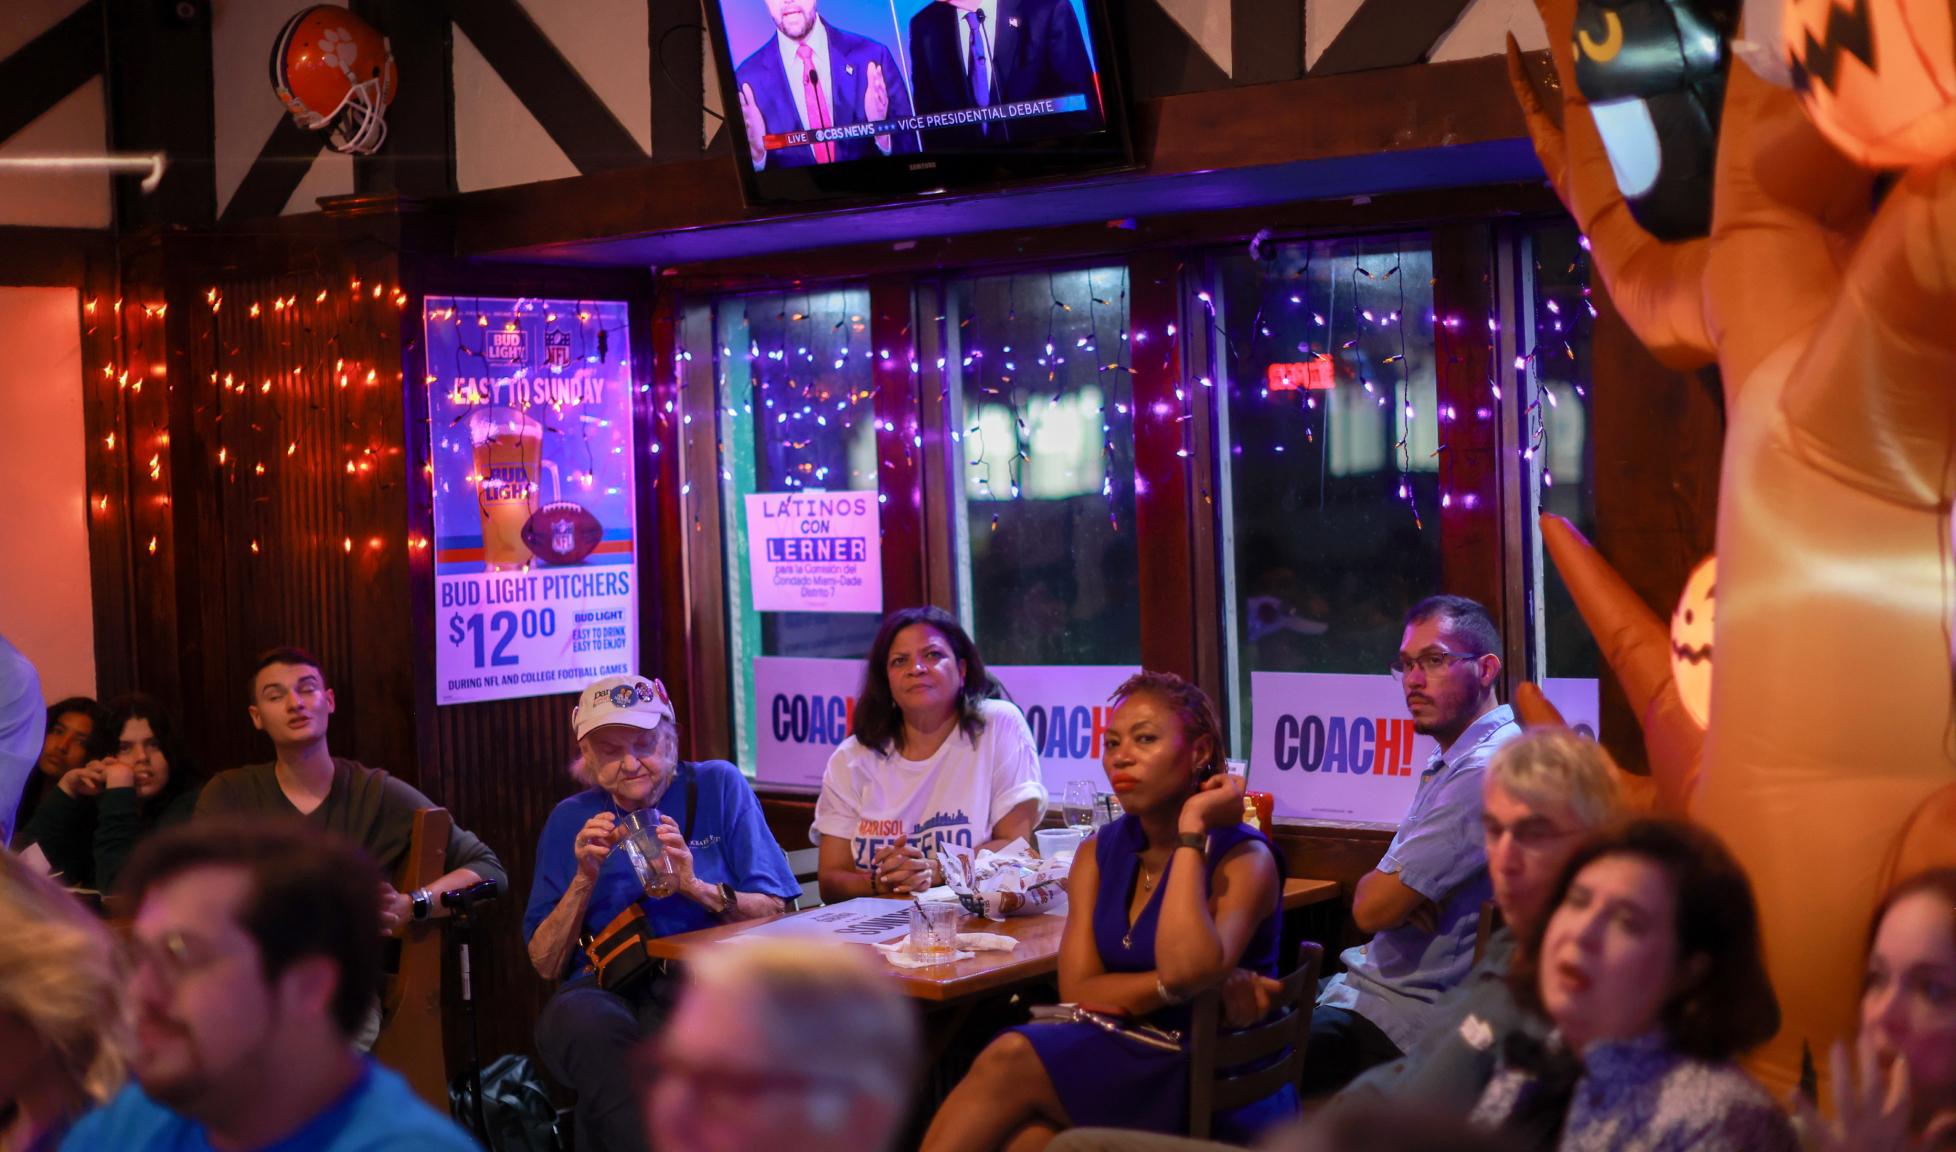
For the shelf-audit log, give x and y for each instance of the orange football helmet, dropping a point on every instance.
(334, 71)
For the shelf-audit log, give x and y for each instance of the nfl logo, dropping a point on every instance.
(563, 536)
(556, 346)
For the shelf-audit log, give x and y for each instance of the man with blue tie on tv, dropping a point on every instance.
(981, 53)
(811, 74)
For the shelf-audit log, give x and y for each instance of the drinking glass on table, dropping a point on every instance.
(648, 856)
(1077, 808)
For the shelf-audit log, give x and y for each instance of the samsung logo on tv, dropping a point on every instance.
(923, 166)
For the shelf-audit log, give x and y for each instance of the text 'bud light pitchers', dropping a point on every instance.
(880, 99)
(530, 426)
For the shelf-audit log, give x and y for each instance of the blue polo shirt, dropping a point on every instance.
(1440, 851)
(378, 1114)
(729, 839)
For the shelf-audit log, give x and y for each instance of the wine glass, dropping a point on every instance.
(1078, 805)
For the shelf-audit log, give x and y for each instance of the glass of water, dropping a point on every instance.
(1078, 805)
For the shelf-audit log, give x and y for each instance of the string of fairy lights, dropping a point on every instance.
(811, 370)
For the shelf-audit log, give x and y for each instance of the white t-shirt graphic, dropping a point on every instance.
(950, 800)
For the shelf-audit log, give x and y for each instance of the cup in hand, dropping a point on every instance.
(1077, 808)
(647, 855)
(934, 930)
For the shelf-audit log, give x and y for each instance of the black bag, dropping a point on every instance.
(516, 1107)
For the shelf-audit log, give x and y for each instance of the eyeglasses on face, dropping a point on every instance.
(1430, 663)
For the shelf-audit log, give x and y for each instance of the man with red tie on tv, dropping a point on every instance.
(811, 74)
(984, 53)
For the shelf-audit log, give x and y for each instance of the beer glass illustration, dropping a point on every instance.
(508, 461)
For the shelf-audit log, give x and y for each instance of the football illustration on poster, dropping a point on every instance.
(562, 533)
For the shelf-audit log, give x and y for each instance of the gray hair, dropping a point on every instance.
(1556, 769)
(667, 748)
(823, 1004)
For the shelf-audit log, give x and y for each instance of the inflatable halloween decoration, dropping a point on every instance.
(1831, 724)
(1653, 72)
(1691, 641)
(1878, 76)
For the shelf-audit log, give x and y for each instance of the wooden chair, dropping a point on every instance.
(807, 865)
(1214, 1055)
(410, 1022)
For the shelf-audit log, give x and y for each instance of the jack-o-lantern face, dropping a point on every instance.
(1691, 640)
(1877, 76)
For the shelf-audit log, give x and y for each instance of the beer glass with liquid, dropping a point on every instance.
(648, 856)
(508, 464)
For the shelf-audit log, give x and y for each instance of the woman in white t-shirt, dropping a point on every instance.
(937, 761)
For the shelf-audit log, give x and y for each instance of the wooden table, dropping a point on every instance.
(1036, 957)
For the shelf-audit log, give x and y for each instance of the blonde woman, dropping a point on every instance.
(61, 1018)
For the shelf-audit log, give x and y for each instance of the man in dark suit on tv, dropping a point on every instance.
(979, 53)
(811, 74)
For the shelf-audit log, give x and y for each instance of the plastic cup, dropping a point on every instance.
(1055, 842)
(647, 855)
(934, 930)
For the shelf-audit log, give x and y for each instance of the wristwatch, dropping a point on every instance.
(726, 899)
(424, 904)
(1195, 840)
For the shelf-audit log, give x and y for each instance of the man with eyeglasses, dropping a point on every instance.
(1423, 902)
(254, 962)
(1543, 793)
(777, 1045)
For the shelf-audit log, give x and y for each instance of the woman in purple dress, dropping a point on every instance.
(1173, 898)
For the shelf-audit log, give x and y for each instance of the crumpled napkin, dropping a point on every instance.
(1009, 882)
(897, 952)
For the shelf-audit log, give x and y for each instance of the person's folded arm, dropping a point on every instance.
(1206, 926)
(1383, 901)
(1083, 979)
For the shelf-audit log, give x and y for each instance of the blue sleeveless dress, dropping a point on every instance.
(1108, 1081)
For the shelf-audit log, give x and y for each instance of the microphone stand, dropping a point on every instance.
(461, 906)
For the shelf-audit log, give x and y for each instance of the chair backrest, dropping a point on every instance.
(410, 1021)
(806, 863)
(1217, 1079)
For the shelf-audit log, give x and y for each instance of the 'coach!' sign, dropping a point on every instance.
(806, 707)
(1342, 747)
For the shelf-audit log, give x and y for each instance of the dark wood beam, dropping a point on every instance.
(47, 68)
(899, 478)
(276, 174)
(1388, 34)
(1266, 41)
(1162, 497)
(159, 67)
(419, 156)
(1161, 58)
(563, 103)
(678, 78)
(1390, 111)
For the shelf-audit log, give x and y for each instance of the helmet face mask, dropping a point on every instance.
(334, 72)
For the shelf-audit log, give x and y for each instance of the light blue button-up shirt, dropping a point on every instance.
(1440, 852)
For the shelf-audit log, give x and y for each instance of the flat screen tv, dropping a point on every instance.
(883, 99)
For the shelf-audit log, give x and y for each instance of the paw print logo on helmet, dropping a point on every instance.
(334, 73)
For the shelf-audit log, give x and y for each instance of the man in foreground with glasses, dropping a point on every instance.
(1423, 902)
(777, 1045)
(1544, 793)
(255, 960)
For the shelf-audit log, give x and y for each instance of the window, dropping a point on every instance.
(1560, 455)
(796, 415)
(1330, 485)
(1045, 504)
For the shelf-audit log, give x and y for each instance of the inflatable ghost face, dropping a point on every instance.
(1877, 76)
(1653, 72)
(1691, 640)
(1827, 755)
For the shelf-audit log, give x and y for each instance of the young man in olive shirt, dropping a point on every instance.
(291, 703)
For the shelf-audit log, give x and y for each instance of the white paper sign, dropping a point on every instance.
(805, 706)
(1338, 747)
(814, 552)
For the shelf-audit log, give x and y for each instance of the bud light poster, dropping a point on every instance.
(814, 551)
(1343, 749)
(806, 706)
(530, 418)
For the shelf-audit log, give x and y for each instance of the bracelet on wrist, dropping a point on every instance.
(1167, 998)
(1196, 840)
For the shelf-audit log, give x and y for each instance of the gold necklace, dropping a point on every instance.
(1147, 882)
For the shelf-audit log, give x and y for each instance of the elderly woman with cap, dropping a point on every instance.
(724, 865)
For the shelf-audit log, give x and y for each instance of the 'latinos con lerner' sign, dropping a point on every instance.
(814, 552)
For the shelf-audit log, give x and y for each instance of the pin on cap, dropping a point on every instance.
(630, 700)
